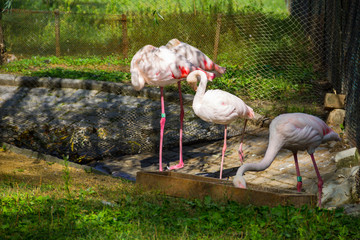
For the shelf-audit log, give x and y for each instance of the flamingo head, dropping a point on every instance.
(195, 76)
(193, 85)
(239, 181)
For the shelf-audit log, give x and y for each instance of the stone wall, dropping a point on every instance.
(88, 119)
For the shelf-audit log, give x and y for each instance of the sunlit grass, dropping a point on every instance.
(123, 210)
(114, 7)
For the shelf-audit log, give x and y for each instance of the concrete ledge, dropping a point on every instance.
(110, 87)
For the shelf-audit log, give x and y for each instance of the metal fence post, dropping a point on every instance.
(125, 40)
(57, 32)
(217, 37)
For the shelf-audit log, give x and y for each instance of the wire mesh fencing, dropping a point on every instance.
(270, 56)
(277, 62)
(336, 24)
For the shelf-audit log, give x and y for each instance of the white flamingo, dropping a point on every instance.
(292, 131)
(218, 107)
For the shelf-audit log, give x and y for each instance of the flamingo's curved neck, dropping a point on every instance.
(271, 152)
(200, 92)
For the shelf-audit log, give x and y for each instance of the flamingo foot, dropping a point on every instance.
(299, 184)
(180, 165)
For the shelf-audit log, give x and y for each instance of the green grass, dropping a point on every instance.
(55, 212)
(116, 7)
(70, 67)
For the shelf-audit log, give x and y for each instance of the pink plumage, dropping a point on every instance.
(161, 67)
(295, 132)
(218, 107)
(194, 55)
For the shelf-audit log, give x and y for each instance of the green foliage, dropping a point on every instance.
(120, 6)
(66, 176)
(3, 148)
(137, 215)
(72, 67)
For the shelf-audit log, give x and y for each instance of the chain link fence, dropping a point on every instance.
(270, 56)
(280, 62)
(336, 25)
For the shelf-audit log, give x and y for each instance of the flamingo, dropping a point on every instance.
(194, 55)
(218, 107)
(162, 67)
(292, 131)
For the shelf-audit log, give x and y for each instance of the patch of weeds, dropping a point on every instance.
(66, 177)
(3, 148)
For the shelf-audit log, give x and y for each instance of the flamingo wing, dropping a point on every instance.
(194, 55)
(302, 131)
(158, 66)
(221, 107)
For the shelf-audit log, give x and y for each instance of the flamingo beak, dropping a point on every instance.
(238, 184)
(194, 86)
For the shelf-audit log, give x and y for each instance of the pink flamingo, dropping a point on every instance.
(162, 67)
(292, 131)
(194, 55)
(218, 107)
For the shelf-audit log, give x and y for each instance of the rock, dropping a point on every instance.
(334, 101)
(336, 119)
(340, 188)
(351, 209)
(347, 158)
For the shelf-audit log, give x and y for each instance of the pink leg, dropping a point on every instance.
(181, 163)
(299, 180)
(223, 152)
(162, 126)
(240, 151)
(320, 181)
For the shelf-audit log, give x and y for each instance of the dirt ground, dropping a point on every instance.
(21, 169)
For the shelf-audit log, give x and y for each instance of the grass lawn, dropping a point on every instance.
(43, 200)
